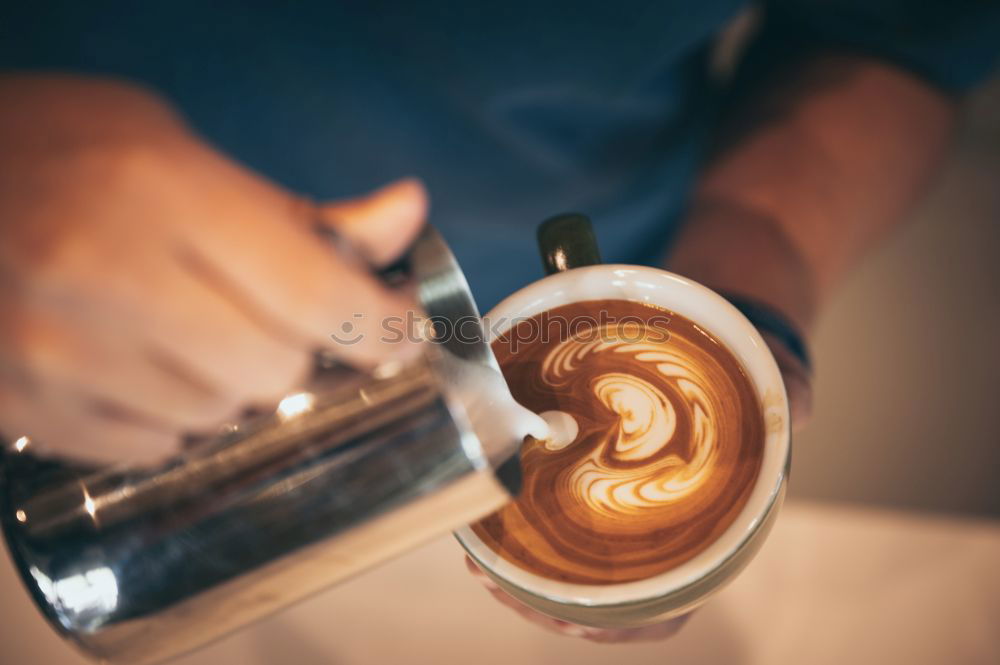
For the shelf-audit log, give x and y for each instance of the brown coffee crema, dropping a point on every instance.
(670, 442)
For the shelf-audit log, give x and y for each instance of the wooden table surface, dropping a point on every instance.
(833, 584)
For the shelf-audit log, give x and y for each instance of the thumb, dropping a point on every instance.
(382, 224)
(797, 378)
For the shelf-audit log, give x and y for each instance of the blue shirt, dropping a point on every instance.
(510, 112)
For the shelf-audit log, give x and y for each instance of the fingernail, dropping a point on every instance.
(406, 181)
(388, 369)
(574, 630)
(409, 186)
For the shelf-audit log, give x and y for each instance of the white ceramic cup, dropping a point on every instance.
(683, 588)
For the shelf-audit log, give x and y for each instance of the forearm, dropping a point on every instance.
(846, 147)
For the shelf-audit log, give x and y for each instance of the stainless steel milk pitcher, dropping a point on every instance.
(138, 565)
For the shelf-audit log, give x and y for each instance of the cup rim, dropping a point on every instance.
(681, 295)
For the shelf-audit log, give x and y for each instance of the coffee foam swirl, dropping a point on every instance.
(668, 446)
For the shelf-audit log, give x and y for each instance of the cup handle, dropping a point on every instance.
(567, 241)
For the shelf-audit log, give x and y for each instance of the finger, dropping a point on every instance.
(653, 633)
(797, 379)
(474, 569)
(289, 275)
(200, 332)
(549, 623)
(383, 224)
(65, 424)
(799, 399)
(102, 360)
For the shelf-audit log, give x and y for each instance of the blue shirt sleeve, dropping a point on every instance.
(952, 44)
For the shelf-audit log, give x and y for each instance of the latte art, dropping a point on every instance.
(668, 443)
